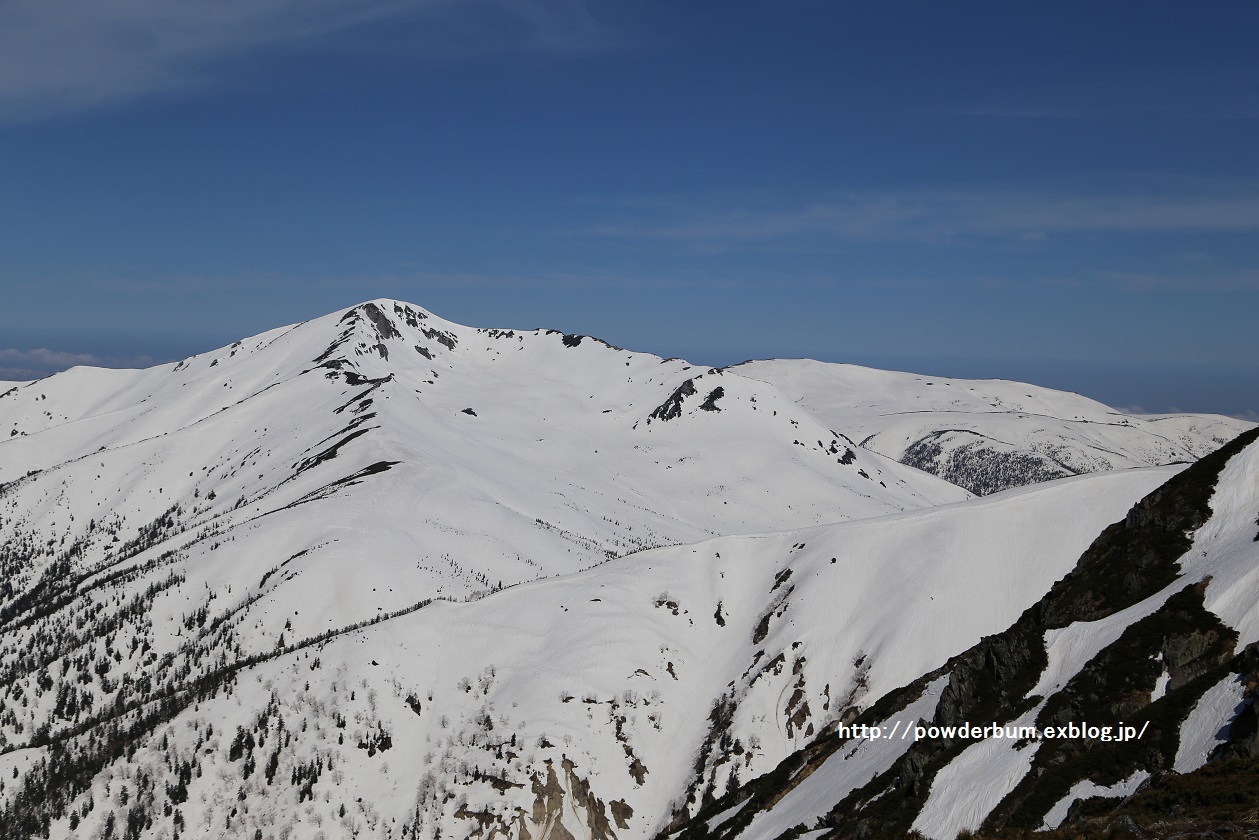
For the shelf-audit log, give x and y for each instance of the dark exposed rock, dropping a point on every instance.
(327, 454)
(668, 603)
(672, 407)
(638, 771)
(621, 812)
(775, 610)
(411, 316)
(1188, 655)
(341, 339)
(548, 799)
(354, 378)
(1214, 801)
(710, 401)
(384, 327)
(446, 339)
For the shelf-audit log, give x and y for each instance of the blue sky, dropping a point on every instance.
(1066, 193)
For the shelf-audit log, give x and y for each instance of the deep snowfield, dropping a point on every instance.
(988, 434)
(561, 466)
(378, 573)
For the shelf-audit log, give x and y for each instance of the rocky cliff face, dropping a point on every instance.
(1126, 636)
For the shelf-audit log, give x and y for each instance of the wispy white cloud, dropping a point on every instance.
(44, 358)
(59, 56)
(947, 216)
(35, 364)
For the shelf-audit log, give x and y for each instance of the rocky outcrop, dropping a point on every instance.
(672, 407)
(546, 821)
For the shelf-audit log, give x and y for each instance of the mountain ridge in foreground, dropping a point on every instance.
(379, 574)
(1156, 624)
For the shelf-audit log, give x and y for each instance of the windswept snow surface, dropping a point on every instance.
(607, 677)
(988, 434)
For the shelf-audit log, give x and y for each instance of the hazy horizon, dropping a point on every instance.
(1151, 388)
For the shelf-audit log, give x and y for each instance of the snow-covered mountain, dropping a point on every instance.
(378, 574)
(988, 434)
(1156, 627)
(393, 456)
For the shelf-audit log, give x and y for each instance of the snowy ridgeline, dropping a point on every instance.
(384, 575)
(1157, 626)
(989, 435)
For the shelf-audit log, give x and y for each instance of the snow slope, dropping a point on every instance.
(395, 457)
(1171, 654)
(988, 434)
(607, 678)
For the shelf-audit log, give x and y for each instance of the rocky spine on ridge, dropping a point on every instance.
(1130, 563)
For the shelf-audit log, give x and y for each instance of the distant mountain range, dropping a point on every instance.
(382, 575)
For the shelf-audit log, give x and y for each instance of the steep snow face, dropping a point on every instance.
(987, 435)
(1206, 727)
(1163, 661)
(1226, 549)
(586, 701)
(841, 773)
